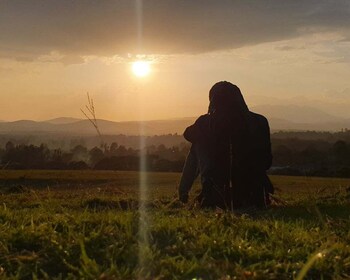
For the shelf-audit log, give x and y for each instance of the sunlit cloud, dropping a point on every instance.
(108, 28)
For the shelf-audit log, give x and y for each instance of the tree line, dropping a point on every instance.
(291, 156)
(105, 157)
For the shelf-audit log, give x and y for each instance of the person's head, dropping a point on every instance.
(225, 96)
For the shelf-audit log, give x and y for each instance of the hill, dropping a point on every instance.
(296, 114)
(63, 120)
(281, 117)
(84, 127)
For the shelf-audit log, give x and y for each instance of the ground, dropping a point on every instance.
(92, 225)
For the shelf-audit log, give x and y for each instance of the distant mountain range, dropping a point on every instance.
(297, 114)
(293, 117)
(63, 120)
(281, 117)
(71, 126)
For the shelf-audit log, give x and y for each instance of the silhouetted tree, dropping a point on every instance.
(113, 149)
(121, 151)
(9, 146)
(79, 153)
(341, 152)
(96, 154)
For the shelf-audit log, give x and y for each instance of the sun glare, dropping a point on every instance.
(141, 68)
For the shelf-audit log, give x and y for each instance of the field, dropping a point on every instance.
(92, 225)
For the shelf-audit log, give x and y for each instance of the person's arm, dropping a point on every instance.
(260, 158)
(268, 156)
(269, 188)
(197, 131)
(189, 174)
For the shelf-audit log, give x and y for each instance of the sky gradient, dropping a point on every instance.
(277, 52)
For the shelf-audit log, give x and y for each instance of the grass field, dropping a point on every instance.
(92, 225)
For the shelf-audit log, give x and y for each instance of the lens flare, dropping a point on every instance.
(141, 68)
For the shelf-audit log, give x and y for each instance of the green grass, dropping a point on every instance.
(84, 224)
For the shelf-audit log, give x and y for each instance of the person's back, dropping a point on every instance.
(252, 157)
(263, 153)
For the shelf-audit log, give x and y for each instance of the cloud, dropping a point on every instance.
(289, 48)
(75, 28)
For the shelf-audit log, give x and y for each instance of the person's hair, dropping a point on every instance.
(228, 108)
(227, 96)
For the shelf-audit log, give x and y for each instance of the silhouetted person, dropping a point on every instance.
(231, 151)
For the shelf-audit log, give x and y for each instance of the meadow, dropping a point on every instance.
(92, 225)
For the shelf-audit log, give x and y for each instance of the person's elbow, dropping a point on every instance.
(186, 134)
(190, 134)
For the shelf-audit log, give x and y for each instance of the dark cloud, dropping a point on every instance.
(29, 28)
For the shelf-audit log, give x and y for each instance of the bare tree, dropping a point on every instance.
(90, 114)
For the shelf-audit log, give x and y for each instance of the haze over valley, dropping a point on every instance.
(281, 117)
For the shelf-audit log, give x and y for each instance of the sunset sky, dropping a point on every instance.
(277, 52)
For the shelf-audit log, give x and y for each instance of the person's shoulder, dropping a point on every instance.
(258, 117)
(203, 118)
(196, 131)
(259, 120)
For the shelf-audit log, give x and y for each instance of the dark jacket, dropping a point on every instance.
(240, 154)
(251, 158)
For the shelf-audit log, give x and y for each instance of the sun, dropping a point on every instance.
(141, 68)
